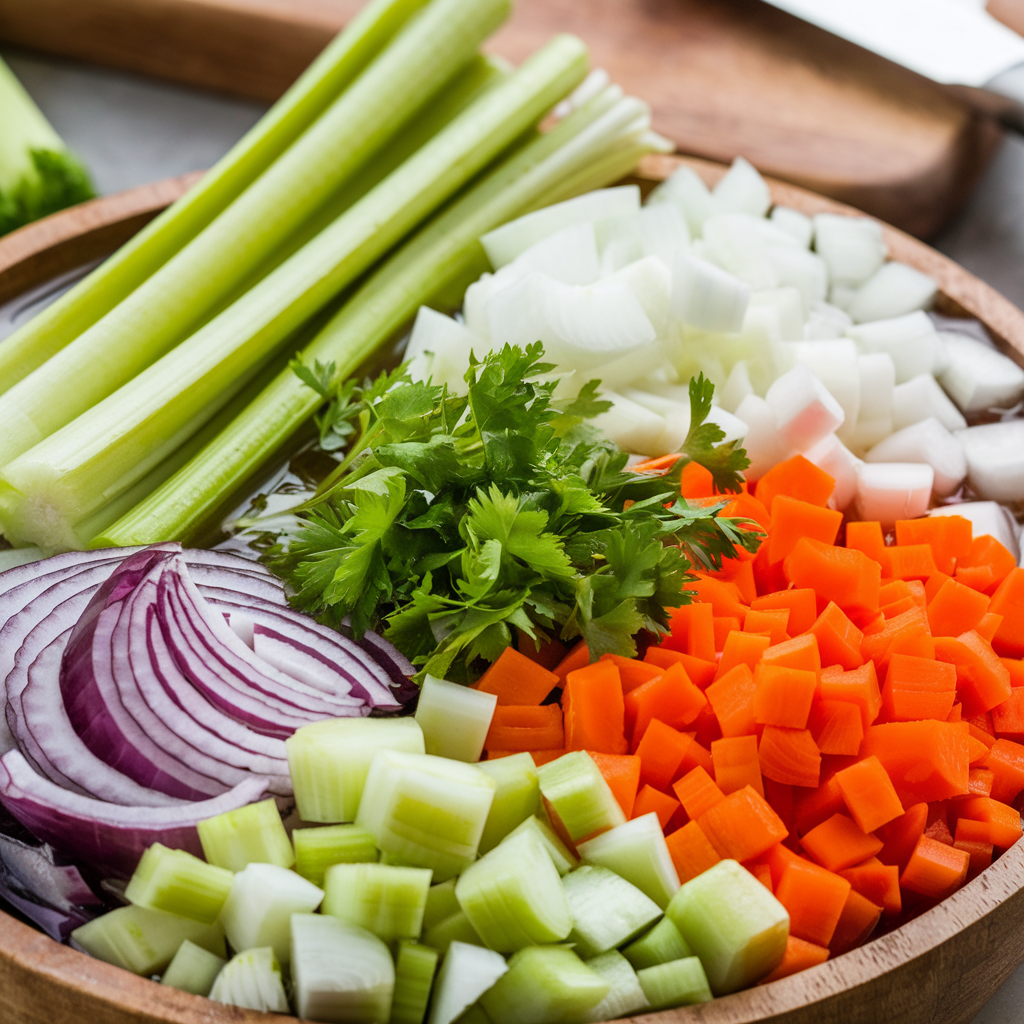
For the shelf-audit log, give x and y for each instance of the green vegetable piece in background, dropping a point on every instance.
(660, 945)
(388, 901)
(606, 910)
(441, 903)
(454, 719)
(678, 983)
(562, 857)
(577, 792)
(414, 977)
(317, 849)
(253, 834)
(625, 997)
(38, 173)
(516, 798)
(454, 928)
(193, 969)
(179, 883)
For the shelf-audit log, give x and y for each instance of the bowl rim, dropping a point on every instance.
(81, 983)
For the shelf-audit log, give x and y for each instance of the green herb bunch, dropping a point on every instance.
(455, 519)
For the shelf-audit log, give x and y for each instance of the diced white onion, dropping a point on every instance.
(835, 364)
(894, 290)
(803, 270)
(650, 280)
(911, 340)
(852, 247)
(978, 377)
(804, 410)
(731, 426)
(789, 303)
(888, 491)
(734, 242)
(928, 441)
(686, 190)
(826, 322)
(763, 444)
(794, 223)
(706, 296)
(737, 387)
(743, 190)
(832, 456)
(877, 376)
(995, 460)
(988, 518)
(633, 427)
(662, 230)
(920, 398)
(466, 974)
(569, 256)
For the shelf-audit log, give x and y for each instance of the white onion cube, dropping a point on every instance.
(804, 409)
(920, 398)
(763, 444)
(835, 364)
(803, 270)
(995, 460)
(889, 491)
(794, 223)
(894, 290)
(832, 456)
(852, 247)
(789, 303)
(978, 377)
(911, 340)
(569, 256)
(743, 190)
(928, 441)
(706, 296)
(734, 241)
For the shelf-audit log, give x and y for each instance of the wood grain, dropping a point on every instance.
(724, 77)
(939, 969)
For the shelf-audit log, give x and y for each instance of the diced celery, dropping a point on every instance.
(637, 851)
(454, 719)
(252, 980)
(193, 969)
(474, 1015)
(544, 985)
(144, 941)
(733, 923)
(253, 834)
(262, 901)
(606, 910)
(317, 849)
(466, 974)
(179, 883)
(677, 983)
(329, 761)
(441, 903)
(454, 928)
(388, 901)
(561, 856)
(427, 810)
(625, 997)
(516, 798)
(414, 978)
(513, 896)
(339, 972)
(660, 945)
(577, 792)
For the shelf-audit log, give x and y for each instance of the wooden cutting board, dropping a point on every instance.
(724, 77)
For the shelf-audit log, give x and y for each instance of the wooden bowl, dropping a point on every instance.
(941, 968)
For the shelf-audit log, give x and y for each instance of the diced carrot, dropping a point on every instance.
(908, 633)
(696, 481)
(838, 843)
(878, 882)
(925, 760)
(1008, 601)
(723, 628)
(797, 478)
(793, 519)
(548, 655)
(934, 869)
(836, 726)
(525, 728)
(894, 591)
(783, 801)
(982, 680)
(742, 648)
(980, 780)
(838, 638)
(670, 697)
(901, 836)
(1008, 717)
(542, 757)
(742, 577)
(769, 577)
(801, 652)
(977, 752)
(1004, 827)
(849, 578)
(698, 756)
(578, 657)
(701, 673)
(955, 609)
(938, 829)
(987, 564)
(979, 852)
(746, 506)
(1006, 762)
(933, 585)
(814, 897)
(517, 680)
(776, 859)
(1016, 669)
(989, 626)
(799, 956)
(633, 673)
(890, 611)
(815, 806)
(799, 603)
(595, 710)
(761, 872)
(868, 538)
(691, 851)
(692, 631)
(859, 686)
(917, 688)
(622, 773)
(732, 700)
(869, 794)
(658, 466)
(697, 792)
(955, 713)
(742, 825)
(856, 923)
(948, 536)
(661, 752)
(912, 562)
(736, 763)
(783, 695)
(773, 622)
(650, 800)
(723, 597)
(789, 756)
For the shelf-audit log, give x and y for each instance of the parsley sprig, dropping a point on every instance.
(455, 520)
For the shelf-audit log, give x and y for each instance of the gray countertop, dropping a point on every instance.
(131, 130)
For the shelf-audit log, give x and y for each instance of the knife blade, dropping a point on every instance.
(953, 42)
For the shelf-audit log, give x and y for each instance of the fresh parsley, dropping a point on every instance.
(455, 521)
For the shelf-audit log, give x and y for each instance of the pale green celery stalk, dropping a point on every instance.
(176, 300)
(436, 266)
(106, 450)
(342, 60)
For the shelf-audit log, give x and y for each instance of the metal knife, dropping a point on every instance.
(954, 42)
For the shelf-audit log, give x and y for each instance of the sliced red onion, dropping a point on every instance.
(105, 836)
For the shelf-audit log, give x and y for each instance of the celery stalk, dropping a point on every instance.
(660, 945)
(561, 856)
(441, 903)
(454, 928)
(576, 791)
(252, 980)
(317, 849)
(74, 471)
(193, 969)
(438, 264)
(179, 883)
(516, 798)
(248, 835)
(625, 997)
(454, 719)
(340, 62)
(388, 901)
(677, 983)
(414, 977)
(606, 910)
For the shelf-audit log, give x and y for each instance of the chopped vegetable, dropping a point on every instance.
(193, 969)
(252, 980)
